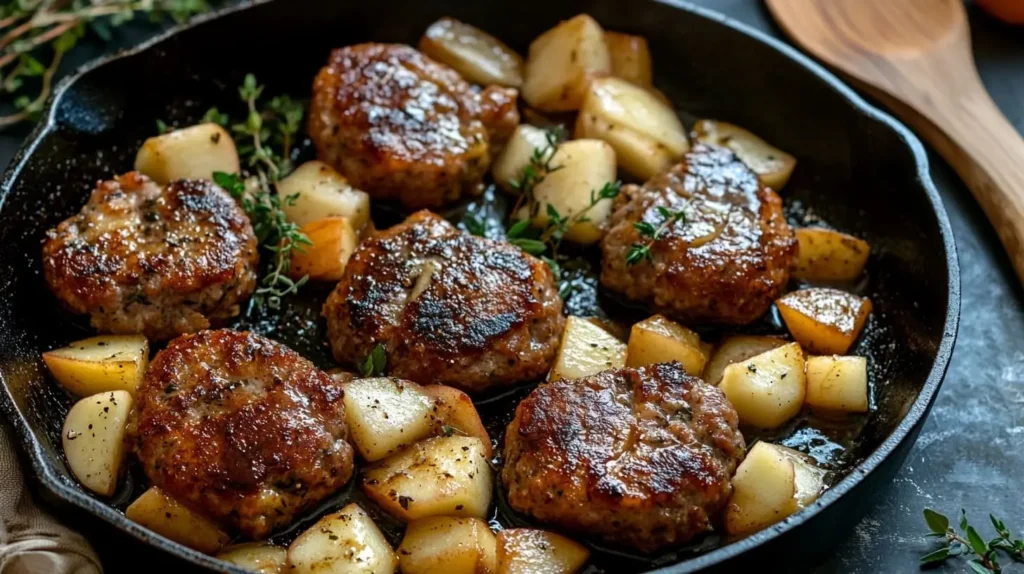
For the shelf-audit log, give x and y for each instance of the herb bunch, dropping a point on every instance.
(265, 140)
(967, 542)
(641, 251)
(33, 31)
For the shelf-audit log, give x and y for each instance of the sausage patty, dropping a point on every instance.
(448, 307)
(241, 429)
(401, 126)
(636, 457)
(724, 263)
(141, 258)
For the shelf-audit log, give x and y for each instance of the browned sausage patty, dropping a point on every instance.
(241, 429)
(637, 457)
(448, 307)
(725, 263)
(401, 126)
(141, 258)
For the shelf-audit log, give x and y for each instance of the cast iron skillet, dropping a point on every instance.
(859, 170)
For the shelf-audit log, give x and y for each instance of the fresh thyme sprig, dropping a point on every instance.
(49, 29)
(968, 542)
(265, 142)
(535, 172)
(374, 364)
(641, 251)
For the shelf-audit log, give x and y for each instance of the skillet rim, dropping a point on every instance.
(914, 417)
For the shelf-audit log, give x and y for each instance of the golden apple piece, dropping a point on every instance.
(532, 551)
(838, 383)
(586, 349)
(630, 56)
(659, 340)
(195, 152)
(476, 55)
(100, 364)
(316, 190)
(735, 349)
(768, 389)
(165, 516)
(828, 255)
(770, 484)
(772, 165)
(448, 545)
(94, 439)
(562, 61)
(346, 542)
(454, 412)
(257, 557)
(386, 414)
(824, 321)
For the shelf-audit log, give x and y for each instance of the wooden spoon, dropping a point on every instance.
(915, 56)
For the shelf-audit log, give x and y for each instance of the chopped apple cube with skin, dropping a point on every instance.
(93, 438)
(735, 349)
(165, 516)
(386, 414)
(320, 191)
(770, 484)
(476, 55)
(99, 364)
(195, 152)
(772, 165)
(454, 411)
(517, 155)
(838, 383)
(584, 167)
(448, 545)
(562, 61)
(532, 551)
(828, 255)
(258, 557)
(440, 476)
(659, 340)
(586, 349)
(346, 542)
(630, 56)
(824, 321)
(644, 131)
(334, 240)
(767, 390)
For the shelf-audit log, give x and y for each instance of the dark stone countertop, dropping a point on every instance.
(969, 452)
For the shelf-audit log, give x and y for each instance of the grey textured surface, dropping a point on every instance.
(969, 453)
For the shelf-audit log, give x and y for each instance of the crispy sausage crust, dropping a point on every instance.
(161, 261)
(242, 429)
(725, 263)
(401, 126)
(449, 307)
(637, 457)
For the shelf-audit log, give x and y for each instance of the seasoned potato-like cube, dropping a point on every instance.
(321, 192)
(448, 545)
(735, 349)
(827, 255)
(258, 557)
(440, 476)
(644, 130)
(562, 61)
(334, 240)
(516, 155)
(346, 542)
(585, 166)
(838, 383)
(479, 57)
(99, 364)
(586, 349)
(386, 414)
(93, 439)
(630, 56)
(659, 340)
(165, 516)
(772, 165)
(532, 551)
(767, 390)
(824, 321)
(194, 152)
(453, 411)
(770, 484)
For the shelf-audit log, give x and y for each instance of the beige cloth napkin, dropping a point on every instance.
(31, 541)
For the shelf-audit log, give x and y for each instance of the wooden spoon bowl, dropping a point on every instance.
(915, 56)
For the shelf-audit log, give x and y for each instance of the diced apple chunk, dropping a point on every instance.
(838, 383)
(735, 349)
(93, 438)
(767, 390)
(517, 155)
(99, 364)
(828, 255)
(586, 349)
(824, 321)
(532, 551)
(440, 476)
(562, 61)
(453, 411)
(195, 152)
(476, 55)
(659, 340)
(630, 57)
(448, 545)
(165, 516)
(334, 240)
(772, 165)
(346, 542)
(386, 414)
(770, 484)
(585, 166)
(258, 557)
(320, 191)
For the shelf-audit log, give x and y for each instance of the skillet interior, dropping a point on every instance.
(858, 171)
